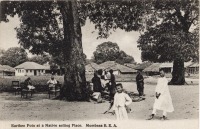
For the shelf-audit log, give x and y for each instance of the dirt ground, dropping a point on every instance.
(39, 107)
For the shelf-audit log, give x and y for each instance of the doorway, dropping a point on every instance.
(35, 72)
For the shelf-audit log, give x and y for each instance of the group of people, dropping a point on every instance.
(104, 84)
(29, 86)
(120, 101)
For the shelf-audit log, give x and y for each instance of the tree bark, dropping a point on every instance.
(178, 74)
(74, 88)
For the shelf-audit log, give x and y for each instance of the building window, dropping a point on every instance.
(30, 70)
(27, 71)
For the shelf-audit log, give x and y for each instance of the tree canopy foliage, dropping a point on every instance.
(44, 32)
(13, 57)
(173, 37)
(165, 42)
(109, 51)
(175, 33)
(1, 52)
(54, 27)
(40, 59)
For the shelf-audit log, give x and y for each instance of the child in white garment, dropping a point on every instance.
(121, 100)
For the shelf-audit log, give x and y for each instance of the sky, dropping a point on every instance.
(127, 41)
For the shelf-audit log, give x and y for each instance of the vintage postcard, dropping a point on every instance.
(91, 64)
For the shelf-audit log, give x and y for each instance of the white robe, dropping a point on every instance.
(164, 102)
(120, 101)
(52, 83)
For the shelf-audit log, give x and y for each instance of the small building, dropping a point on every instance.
(193, 68)
(153, 69)
(106, 66)
(167, 67)
(117, 68)
(91, 68)
(142, 66)
(6, 70)
(121, 69)
(30, 69)
(133, 66)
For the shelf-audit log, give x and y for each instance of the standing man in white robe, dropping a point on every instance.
(163, 99)
(121, 100)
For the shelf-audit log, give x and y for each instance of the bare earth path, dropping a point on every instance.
(185, 100)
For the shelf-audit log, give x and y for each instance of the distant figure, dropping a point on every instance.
(112, 83)
(96, 83)
(140, 83)
(163, 99)
(104, 79)
(97, 88)
(121, 100)
(52, 82)
(111, 89)
(28, 84)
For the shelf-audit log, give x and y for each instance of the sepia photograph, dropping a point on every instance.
(90, 64)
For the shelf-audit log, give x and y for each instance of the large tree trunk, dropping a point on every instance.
(74, 77)
(178, 74)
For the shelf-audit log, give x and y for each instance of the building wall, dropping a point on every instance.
(116, 72)
(193, 70)
(20, 72)
(167, 70)
(5, 73)
(29, 72)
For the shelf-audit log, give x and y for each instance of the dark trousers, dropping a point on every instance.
(141, 91)
(140, 88)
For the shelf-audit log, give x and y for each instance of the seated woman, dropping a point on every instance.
(28, 84)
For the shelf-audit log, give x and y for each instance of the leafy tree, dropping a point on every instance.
(173, 39)
(1, 52)
(109, 51)
(55, 28)
(106, 51)
(13, 57)
(124, 58)
(40, 59)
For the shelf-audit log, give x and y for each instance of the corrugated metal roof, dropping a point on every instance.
(153, 68)
(166, 65)
(30, 65)
(6, 68)
(143, 66)
(186, 64)
(170, 64)
(122, 68)
(107, 64)
(196, 64)
(130, 65)
(92, 67)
